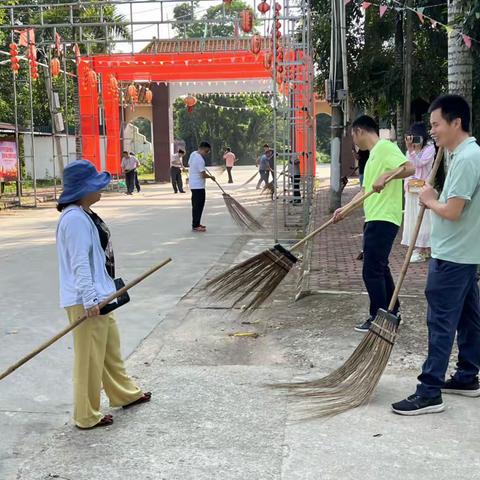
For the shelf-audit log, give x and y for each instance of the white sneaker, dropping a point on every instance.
(417, 257)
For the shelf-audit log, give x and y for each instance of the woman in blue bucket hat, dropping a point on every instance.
(87, 271)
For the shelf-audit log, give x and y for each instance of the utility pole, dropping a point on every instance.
(407, 69)
(336, 94)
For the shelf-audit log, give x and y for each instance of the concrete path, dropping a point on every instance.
(213, 415)
(146, 228)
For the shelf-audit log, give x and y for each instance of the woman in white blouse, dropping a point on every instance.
(87, 269)
(421, 153)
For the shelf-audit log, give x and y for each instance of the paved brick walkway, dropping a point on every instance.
(333, 262)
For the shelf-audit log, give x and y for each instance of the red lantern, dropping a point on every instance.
(33, 67)
(256, 44)
(263, 7)
(92, 79)
(14, 62)
(268, 60)
(278, 34)
(280, 69)
(148, 95)
(278, 25)
(113, 84)
(190, 101)
(132, 91)
(278, 7)
(280, 54)
(55, 67)
(246, 20)
(227, 2)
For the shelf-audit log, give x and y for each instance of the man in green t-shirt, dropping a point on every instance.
(452, 282)
(383, 212)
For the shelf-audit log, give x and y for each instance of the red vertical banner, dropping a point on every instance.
(89, 117)
(305, 118)
(112, 122)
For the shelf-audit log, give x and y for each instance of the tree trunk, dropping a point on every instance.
(460, 59)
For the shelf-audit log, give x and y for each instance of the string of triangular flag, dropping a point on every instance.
(422, 16)
(224, 107)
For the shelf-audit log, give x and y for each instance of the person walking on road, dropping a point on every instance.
(87, 270)
(176, 169)
(230, 160)
(129, 165)
(197, 175)
(452, 281)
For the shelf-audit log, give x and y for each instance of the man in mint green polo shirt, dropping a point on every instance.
(383, 212)
(452, 282)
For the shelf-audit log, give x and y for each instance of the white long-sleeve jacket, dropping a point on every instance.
(83, 277)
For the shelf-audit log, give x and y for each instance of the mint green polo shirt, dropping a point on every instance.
(459, 241)
(387, 205)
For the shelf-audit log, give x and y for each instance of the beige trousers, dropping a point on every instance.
(98, 361)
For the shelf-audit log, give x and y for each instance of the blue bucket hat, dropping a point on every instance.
(79, 178)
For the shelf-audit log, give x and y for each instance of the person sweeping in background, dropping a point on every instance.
(129, 165)
(198, 174)
(421, 153)
(263, 165)
(176, 168)
(383, 213)
(87, 270)
(452, 282)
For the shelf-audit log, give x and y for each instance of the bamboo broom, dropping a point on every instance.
(260, 275)
(77, 322)
(240, 215)
(352, 384)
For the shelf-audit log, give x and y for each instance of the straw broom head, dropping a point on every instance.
(352, 384)
(254, 279)
(240, 215)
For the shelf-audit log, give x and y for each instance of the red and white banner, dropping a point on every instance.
(8, 161)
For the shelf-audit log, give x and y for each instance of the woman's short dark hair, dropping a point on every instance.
(419, 129)
(452, 107)
(366, 123)
(63, 206)
(205, 145)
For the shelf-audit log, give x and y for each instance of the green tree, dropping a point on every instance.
(243, 131)
(217, 21)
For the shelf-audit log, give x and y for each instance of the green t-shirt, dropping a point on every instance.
(459, 241)
(387, 205)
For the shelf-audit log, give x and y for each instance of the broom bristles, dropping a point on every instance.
(250, 179)
(240, 215)
(352, 384)
(256, 277)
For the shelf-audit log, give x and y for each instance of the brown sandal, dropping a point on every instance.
(106, 421)
(143, 399)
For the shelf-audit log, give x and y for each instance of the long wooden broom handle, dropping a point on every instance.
(413, 240)
(77, 322)
(218, 185)
(348, 209)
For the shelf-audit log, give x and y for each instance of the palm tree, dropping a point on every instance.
(460, 58)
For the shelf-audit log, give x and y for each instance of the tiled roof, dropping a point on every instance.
(189, 45)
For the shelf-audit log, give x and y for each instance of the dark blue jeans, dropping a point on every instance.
(378, 238)
(453, 306)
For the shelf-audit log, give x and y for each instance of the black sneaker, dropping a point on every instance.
(365, 326)
(417, 405)
(467, 390)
